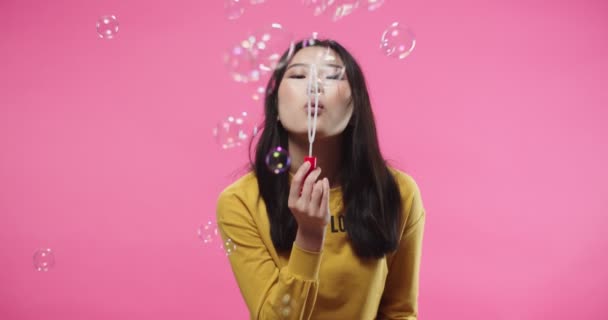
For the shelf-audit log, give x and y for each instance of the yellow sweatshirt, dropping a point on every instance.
(332, 284)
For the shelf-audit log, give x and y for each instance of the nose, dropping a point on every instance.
(316, 87)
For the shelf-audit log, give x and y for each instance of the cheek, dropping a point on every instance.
(288, 94)
(344, 92)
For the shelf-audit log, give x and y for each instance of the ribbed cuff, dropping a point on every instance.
(304, 264)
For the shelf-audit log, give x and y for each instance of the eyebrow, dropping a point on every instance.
(305, 65)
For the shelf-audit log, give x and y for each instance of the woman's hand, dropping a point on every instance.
(311, 208)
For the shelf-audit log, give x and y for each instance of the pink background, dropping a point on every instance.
(107, 155)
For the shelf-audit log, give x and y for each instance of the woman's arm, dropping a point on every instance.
(400, 297)
(270, 292)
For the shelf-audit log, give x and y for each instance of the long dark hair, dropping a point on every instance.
(371, 195)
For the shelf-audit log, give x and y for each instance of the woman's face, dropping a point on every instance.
(298, 86)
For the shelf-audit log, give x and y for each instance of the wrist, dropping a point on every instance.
(311, 240)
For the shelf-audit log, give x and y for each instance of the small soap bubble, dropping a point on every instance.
(259, 93)
(229, 247)
(107, 26)
(44, 259)
(234, 9)
(208, 232)
(343, 8)
(397, 41)
(278, 160)
(373, 5)
(318, 6)
(234, 131)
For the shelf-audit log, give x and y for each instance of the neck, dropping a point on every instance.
(328, 152)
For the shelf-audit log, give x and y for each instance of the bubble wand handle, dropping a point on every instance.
(312, 122)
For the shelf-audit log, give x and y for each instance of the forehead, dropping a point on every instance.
(316, 55)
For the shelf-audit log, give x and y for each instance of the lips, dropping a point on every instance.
(312, 106)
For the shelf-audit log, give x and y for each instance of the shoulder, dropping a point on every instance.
(244, 190)
(237, 204)
(242, 184)
(413, 208)
(407, 184)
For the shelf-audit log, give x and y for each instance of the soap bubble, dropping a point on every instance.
(259, 93)
(318, 6)
(374, 4)
(397, 41)
(208, 232)
(44, 259)
(234, 131)
(337, 9)
(253, 59)
(278, 160)
(234, 9)
(229, 247)
(259, 54)
(241, 63)
(342, 8)
(268, 45)
(107, 27)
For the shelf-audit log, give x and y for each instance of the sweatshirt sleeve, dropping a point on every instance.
(270, 291)
(400, 296)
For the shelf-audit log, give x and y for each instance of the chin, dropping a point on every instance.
(320, 135)
(302, 132)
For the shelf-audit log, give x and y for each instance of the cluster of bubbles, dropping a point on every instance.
(235, 8)
(251, 61)
(338, 9)
(44, 259)
(208, 233)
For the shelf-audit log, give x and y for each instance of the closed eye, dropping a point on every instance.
(336, 77)
(297, 76)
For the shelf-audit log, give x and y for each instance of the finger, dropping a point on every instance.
(324, 207)
(315, 199)
(308, 184)
(296, 182)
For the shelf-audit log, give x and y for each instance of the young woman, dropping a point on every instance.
(342, 241)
